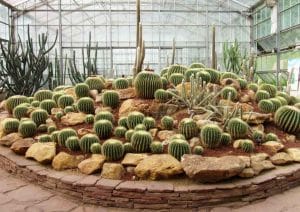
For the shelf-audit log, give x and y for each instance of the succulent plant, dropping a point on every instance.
(214, 75)
(140, 127)
(261, 94)
(68, 109)
(247, 145)
(30, 99)
(95, 83)
(130, 81)
(43, 94)
(123, 122)
(258, 136)
(86, 105)
(27, 128)
(237, 128)
(211, 135)
(51, 129)
(294, 100)
(188, 128)
(14, 101)
(89, 119)
(178, 147)
(149, 122)
(21, 111)
(64, 134)
(176, 78)
(86, 142)
(282, 100)
(146, 83)
(176, 69)
(121, 83)
(156, 147)
(103, 128)
(284, 95)
(44, 138)
(165, 82)
(271, 89)
(164, 71)
(141, 141)
(230, 75)
(120, 131)
(54, 136)
(167, 122)
(59, 115)
(271, 137)
(82, 90)
(252, 86)
(42, 128)
(111, 99)
(266, 106)
(128, 135)
(65, 100)
(197, 65)
(104, 115)
(35, 103)
(225, 139)
(276, 104)
(198, 150)
(113, 149)
(191, 72)
(288, 119)
(10, 125)
(39, 116)
(96, 148)
(128, 148)
(72, 143)
(229, 92)
(56, 96)
(134, 118)
(162, 95)
(47, 105)
(243, 83)
(204, 75)
(177, 136)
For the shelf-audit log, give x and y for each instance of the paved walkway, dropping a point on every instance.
(17, 195)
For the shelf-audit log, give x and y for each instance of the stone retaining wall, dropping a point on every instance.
(149, 194)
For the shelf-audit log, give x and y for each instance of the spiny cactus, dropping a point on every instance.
(176, 69)
(111, 99)
(128, 135)
(156, 147)
(128, 148)
(177, 136)
(252, 86)
(198, 150)
(178, 147)
(188, 128)
(243, 83)
(164, 82)
(146, 83)
(167, 122)
(10, 125)
(282, 100)
(65, 100)
(271, 89)
(103, 128)
(35, 103)
(197, 65)
(294, 100)
(149, 122)
(30, 99)
(39, 116)
(284, 95)
(54, 136)
(229, 92)
(43, 94)
(231, 75)
(95, 83)
(27, 128)
(86, 142)
(68, 109)
(141, 141)
(276, 104)
(130, 81)
(164, 71)
(21, 110)
(120, 131)
(271, 137)
(211, 135)
(258, 136)
(89, 119)
(204, 75)
(86, 105)
(56, 96)
(14, 101)
(214, 75)
(121, 83)
(104, 115)
(47, 105)
(140, 127)
(113, 149)
(42, 128)
(44, 138)
(176, 78)
(266, 106)
(247, 145)
(82, 90)
(162, 95)
(72, 143)
(59, 115)
(191, 72)
(288, 119)
(64, 134)
(51, 129)
(237, 128)
(134, 118)
(96, 148)
(123, 122)
(261, 94)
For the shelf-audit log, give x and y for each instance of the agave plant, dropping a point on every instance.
(232, 57)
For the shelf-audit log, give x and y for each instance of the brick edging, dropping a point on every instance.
(148, 194)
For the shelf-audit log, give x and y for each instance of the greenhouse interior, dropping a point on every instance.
(149, 105)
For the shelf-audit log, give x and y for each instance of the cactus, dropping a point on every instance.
(86, 142)
(271, 89)
(64, 134)
(54, 136)
(128, 148)
(161, 95)
(294, 100)
(30, 99)
(271, 137)
(89, 119)
(82, 90)
(164, 71)
(288, 119)
(56, 96)
(35, 103)
(237, 128)
(149, 122)
(39, 116)
(178, 147)
(177, 136)
(188, 128)
(214, 75)
(176, 69)
(176, 78)
(14, 101)
(247, 145)
(47, 105)
(167, 122)
(197, 65)
(43, 94)
(113, 149)
(165, 82)
(21, 111)
(96, 148)
(252, 86)
(86, 105)
(134, 118)
(225, 139)
(297, 105)
(65, 100)
(204, 75)
(266, 106)
(59, 115)
(120, 131)
(191, 72)
(156, 147)
(44, 138)
(103, 128)
(146, 83)
(261, 94)
(128, 135)
(104, 115)
(198, 150)
(51, 129)
(276, 104)
(258, 136)
(10, 125)
(230, 75)
(282, 100)
(229, 92)
(130, 80)
(68, 109)
(27, 128)
(243, 83)
(111, 99)
(121, 83)
(95, 83)
(72, 143)
(211, 135)
(141, 141)
(123, 122)
(42, 128)
(140, 127)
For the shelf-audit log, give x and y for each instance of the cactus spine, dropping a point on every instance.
(211, 135)
(72, 143)
(288, 119)
(82, 90)
(64, 134)
(134, 118)
(146, 83)
(111, 99)
(167, 122)
(27, 128)
(178, 147)
(86, 142)
(103, 128)
(188, 128)
(86, 105)
(237, 128)
(10, 125)
(39, 116)
(113, 149)
(141, 141)
(156, 147)
(96, 148)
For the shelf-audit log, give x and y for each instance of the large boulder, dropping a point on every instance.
(156, 167)
(165, 134)
(212, 169)
(132, 159)
(281, 158)
(66, 161)
(294, 153)
(9, 139)
(71, 119)
(113, 171)
(128, 93)
(257, 118)
(42, 152)
(92, 164)
(22, 145)
(260, 162)
(273, 146)
(130, 105)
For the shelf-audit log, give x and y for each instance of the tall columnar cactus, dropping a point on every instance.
(229, 92)
(111, 99)
(96, 148)
(120, 131)
(65, 100)
(113, 149)
(43, 94)
(95, 83)
(225, 139)
(86, 142)
(123, 122)
(39, 116)
(288, 119)
(162, 95)
(247, 145)
(64, 134)
(10, 125)
(82, 90)
(27, 128)
(14, 101)
(149, 122)
(176, 78)
(47, 105)
(86, 105)
(103, 128)
(104, 115)
(213, 49)
(188, 128)
(146, 83)
(237, 128)
(211, 135)
(72, 143)
(167, 122)
(266, 106)
(178, 147)
(21, 110)
(141, 141)
(134, 118)
(121, 83)
(261, 94)
(271, 89)
(156, 147)
(214, 75)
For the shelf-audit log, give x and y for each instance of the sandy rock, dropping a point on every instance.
(132, 159)
(2, 105)
(273, 146)
(71, 119)
(92, 164)
(128, 93)
(83, 131)
(259, 127)
(246, 159)
(66, 161)
(230, 82)
(56, 110)
(71, 91)
(113, 171)
(21, 146)
(259, 157)
(99, 109)
(236, 143)
(98, 98)
(156, 167)
(158, 110)
(202, 116)
(9, 139)
(245, 98)
(256, 118)
(94, 94)
(247, 173)
(290, 138)
(1, 130)
(259, 166)
(212, 169)
(42, 152)
(194, 142)
(281, 158)
(153, 132)
(165, 134)
(130, 105)
(294, 153)
(202, 123)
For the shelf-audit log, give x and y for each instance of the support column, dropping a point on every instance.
(278, 44)
(60, 42)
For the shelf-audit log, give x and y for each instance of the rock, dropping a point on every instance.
(71, 119)
(66, 161)
(128, 93)
(42, 152)
(94, 94)
(21, 146)
(294, 153)
(259, 157)
(236, 143)
(281, 158)
(83, 131)
(273, 146)
(2, 105)
(56, 110)
(153, 132)
(98, 98)
(246, 159)
(245, 98)
(256, 118)
(99, 109)
(158, 110)
(113, 171)
(245, 107)
(230, 82)
(202, 116)
(70, 91)
(92, 164)
(247, 173)
(132, 159)
(130, 105)
(194, 142)
(212, 169)
(9, 139)
(259, 127)
(259, 166)
(290, 138)
(251, 94)
(156, 167)
(187, 86)
(202, 123)
(1, 131)
(165, 134)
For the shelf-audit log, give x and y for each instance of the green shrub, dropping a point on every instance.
(178, 147)
(141, 141)
(146, 83)
(211, 135)
(103, 128)
(113, 149)
(86, 142)
(188, 128)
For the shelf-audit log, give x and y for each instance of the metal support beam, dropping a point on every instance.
(60, 40)
(278, 44)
